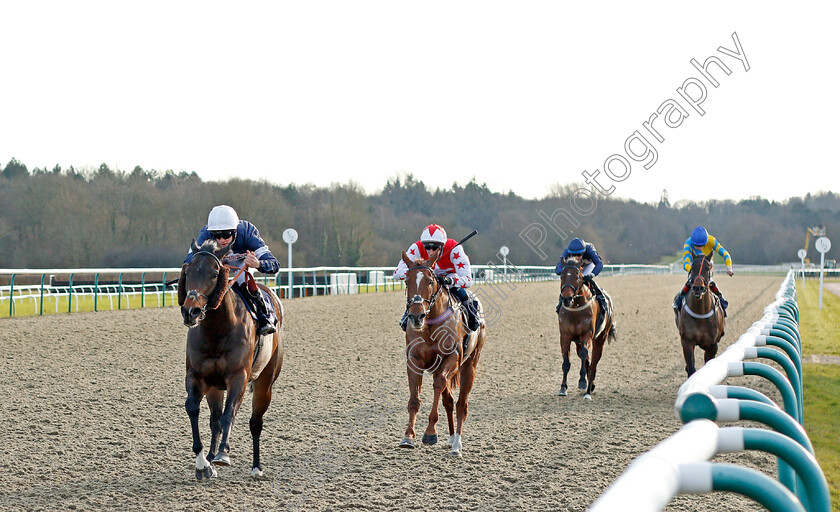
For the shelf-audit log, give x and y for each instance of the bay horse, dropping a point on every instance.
(700, 320)
(438, 342)
(224, 354)
(577, 317)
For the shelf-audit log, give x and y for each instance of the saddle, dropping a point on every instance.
(249, 304)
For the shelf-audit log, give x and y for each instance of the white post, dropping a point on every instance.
(823, 245)
(504, 251)
(290, 236)
(802, 254)
(291, 279)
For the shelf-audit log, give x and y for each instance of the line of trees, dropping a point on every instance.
(73, 218)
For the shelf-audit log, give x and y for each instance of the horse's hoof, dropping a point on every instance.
(430, 439)
(206, 473)
(257, 473)
(221, 459)
(581, 385)
(562, 392)
(455, 453)
(587, 397)
(407, 442)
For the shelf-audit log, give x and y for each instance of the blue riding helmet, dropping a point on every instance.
(699, 236)
(576, 246)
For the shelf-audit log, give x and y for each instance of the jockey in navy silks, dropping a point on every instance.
(591, 266)
(248, 250)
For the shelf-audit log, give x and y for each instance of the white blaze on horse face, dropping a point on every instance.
(419, 279)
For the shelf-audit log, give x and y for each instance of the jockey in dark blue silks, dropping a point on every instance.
(248, 250)
(591, 263)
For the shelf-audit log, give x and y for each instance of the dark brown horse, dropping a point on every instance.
(434, 339)
(224, 354)
(577, 316)
(700, 320)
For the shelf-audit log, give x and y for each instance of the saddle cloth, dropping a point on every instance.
(266, 298)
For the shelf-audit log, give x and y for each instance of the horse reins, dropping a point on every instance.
(196, 293)
(417, 299)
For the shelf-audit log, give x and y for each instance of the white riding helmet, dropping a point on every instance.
(222, 218)
(433, 233)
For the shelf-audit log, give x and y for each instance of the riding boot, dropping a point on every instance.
(678, 301)
(404, 320)
(264, 326)
(680, 296)
(723, 302)
(599, 296)
(471, 307)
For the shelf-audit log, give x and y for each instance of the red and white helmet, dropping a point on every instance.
(433, 233)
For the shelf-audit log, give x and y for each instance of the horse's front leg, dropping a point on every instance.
(688, 355)
(415, 383)
(442, 381)
(235, 392)
(215, 400)
(565, 346)
(711, 352)
(583, 352)
(196, 389)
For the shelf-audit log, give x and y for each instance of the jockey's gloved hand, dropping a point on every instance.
(446, 281)
(588, 278)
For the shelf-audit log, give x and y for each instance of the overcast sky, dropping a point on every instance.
(519, 95)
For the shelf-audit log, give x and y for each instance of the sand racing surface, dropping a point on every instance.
(93, 415)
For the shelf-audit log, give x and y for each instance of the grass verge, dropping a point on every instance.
(822, 410)
(820, 331)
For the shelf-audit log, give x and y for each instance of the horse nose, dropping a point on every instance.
(190, 314)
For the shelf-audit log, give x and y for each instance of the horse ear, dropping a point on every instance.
(193, 247)
(220, 253)
(405, 259)
(431, 262)
(182, 284)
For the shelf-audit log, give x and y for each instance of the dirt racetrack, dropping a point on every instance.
(94, 418)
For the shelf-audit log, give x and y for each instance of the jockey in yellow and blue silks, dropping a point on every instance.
(701, 242)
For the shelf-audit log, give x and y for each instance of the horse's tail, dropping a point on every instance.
(455, 380)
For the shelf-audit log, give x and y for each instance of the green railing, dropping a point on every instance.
(680, 463)
(40, 291)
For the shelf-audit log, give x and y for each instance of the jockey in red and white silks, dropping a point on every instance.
(453, 262)
(452, 265)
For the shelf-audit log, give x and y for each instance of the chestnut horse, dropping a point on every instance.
(577, 318)
(224, 354)
(700, 320)
(437, 342)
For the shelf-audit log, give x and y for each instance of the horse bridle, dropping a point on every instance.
(706, 282)
(417, 299)
(575, 290)
(194, 294)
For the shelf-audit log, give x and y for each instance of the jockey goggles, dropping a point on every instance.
(432, 246)
(223, 234)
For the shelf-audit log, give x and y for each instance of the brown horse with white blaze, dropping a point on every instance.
(577, 316)
(224, 355)
(700, 320)
(438, 342)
